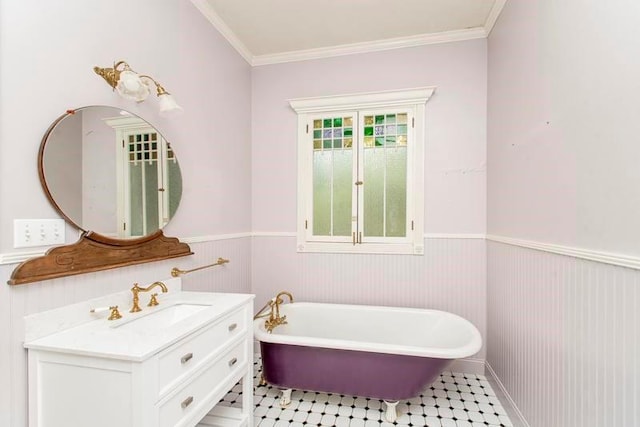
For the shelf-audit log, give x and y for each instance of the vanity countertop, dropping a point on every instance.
(114, 339)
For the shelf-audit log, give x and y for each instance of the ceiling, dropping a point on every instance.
(272, 31)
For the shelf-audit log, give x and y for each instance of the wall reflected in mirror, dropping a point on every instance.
(110, 172)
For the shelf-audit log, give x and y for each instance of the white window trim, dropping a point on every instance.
(414, 99)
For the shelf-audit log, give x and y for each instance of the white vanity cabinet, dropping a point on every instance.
(172, 377)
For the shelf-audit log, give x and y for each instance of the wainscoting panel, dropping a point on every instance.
(563, 337)
(450, 276)
(21, 300)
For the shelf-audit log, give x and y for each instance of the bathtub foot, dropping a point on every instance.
(391, 414)
(285, 399)
(262, 381)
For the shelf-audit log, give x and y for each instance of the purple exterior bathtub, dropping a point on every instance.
(353, 373)
(379, 352)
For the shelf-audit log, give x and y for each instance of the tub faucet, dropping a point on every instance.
(137, 289)
(274, 318)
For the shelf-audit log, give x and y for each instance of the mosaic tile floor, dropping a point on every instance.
(454, 400)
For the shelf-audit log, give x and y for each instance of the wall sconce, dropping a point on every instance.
(131, 85)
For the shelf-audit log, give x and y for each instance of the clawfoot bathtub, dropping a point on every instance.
(385, 353)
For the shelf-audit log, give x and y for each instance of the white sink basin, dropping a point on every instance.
(162, 318)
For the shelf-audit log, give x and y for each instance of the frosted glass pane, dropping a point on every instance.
(175, 187)
(374, 192)
(342, 186)
(396, 200)
(151, 195)
(322, 193)
(135, 199)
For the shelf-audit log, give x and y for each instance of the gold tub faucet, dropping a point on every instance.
(137, 289)
(274, 318)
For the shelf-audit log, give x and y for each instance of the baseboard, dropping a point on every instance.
(468, 366)
(516, 417)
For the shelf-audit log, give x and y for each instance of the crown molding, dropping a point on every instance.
(212, 16)
(494, 13)
(372, 46)
(590, 255)
(347, 49)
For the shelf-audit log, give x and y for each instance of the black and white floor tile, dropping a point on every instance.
(453, 400)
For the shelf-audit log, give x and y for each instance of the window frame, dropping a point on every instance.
(414, 102)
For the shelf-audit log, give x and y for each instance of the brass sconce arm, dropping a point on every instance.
(135, 86)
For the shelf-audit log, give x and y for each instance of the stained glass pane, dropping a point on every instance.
(379, 120)
(348, 142)
(368, 120)
(154, 136)
(368, 141)
(402, 118)
(368, 131)
(379, 130)
(391, 129)
(131, 138)
(337, 133)
(317, 134)
(348, 132)
(402, 140)
(348, 121)
(391, 118)
(337, 122)
(391, 140)
(317, 144)
(327, 143)
(402, 129)
(317, 124)
(327, 133)
(379, 141)
(337, 143)
(327, 123)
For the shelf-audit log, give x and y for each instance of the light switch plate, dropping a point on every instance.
(38, 232)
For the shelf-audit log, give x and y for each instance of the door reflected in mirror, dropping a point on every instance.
(110, 172)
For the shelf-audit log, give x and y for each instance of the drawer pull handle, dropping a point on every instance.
(187, 402)
(232, 327)
(233, 361)
(184, 359)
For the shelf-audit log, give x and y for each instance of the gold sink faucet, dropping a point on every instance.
(137, 289)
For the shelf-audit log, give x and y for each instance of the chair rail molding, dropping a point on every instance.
(588, 254)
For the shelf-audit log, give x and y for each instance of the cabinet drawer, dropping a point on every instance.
(189, 353)
(182, 406)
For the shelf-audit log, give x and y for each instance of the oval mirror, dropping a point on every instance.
(110, 172)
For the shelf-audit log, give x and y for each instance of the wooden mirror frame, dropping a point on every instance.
(93, 252)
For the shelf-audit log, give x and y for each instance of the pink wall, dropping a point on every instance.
(451, 274)
(53, 47)
(47, 52)
(562, 130)
(563, 170)
(456, 127)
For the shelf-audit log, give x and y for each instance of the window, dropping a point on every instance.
(149, 183)
(360, 172)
